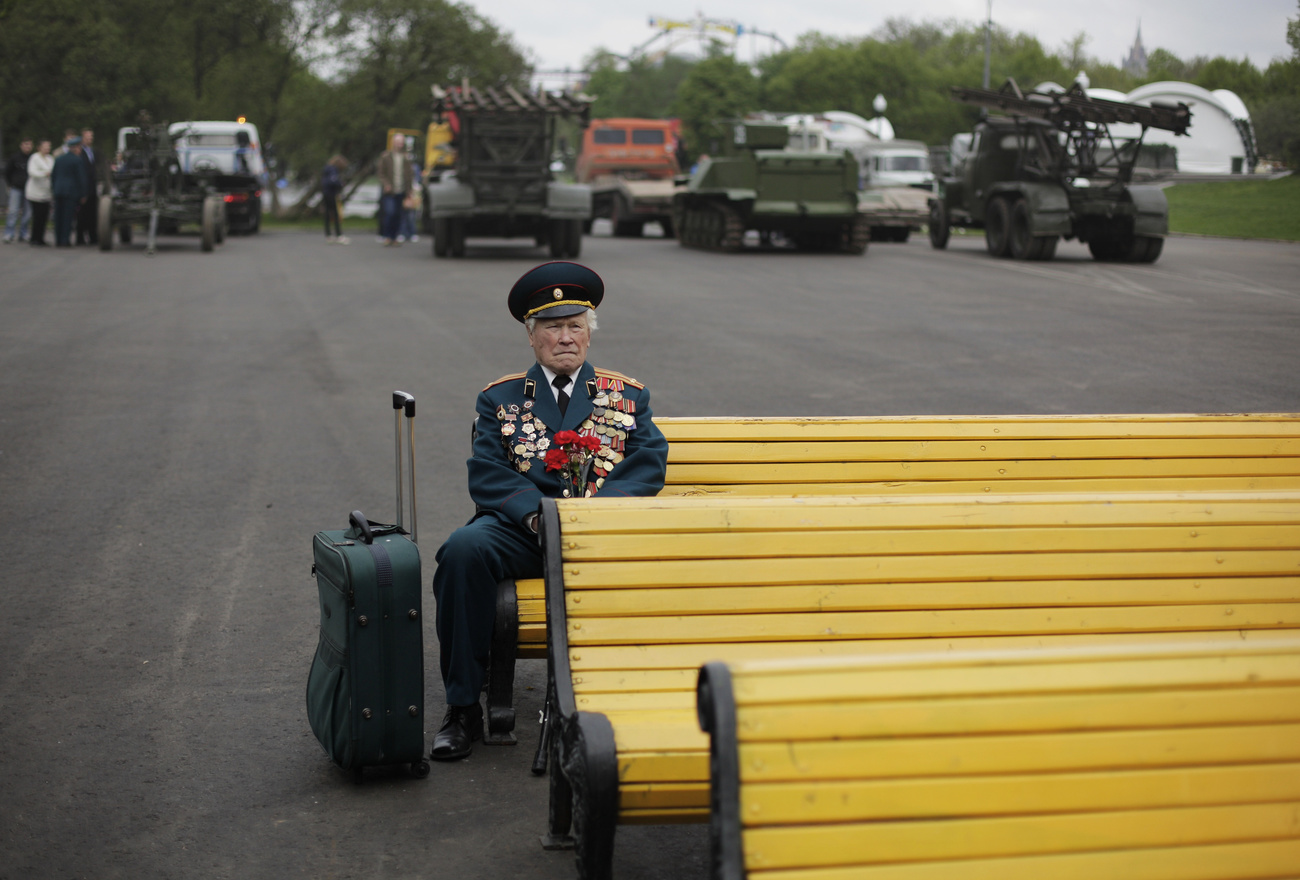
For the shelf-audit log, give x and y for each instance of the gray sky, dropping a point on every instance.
(560, 33)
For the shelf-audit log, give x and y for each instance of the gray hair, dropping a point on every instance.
(592, 326)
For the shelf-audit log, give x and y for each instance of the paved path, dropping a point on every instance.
(174, 429)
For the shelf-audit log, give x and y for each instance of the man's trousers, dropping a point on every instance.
(474, 559)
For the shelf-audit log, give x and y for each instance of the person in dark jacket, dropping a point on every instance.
(96, 166)
(19, 217)
(562, 429)
(331, 187)
(70, 189)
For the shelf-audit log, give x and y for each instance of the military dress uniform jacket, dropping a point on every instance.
(518, 419)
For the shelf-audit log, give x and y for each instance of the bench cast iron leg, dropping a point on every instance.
(591, 764)
(560, 808)
(501, 669)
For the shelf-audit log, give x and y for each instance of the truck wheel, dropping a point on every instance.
(456, 237)
(997, 226)
(1047, 247)
(124, 233)
(1020, 243)
(586, 226)
(105, 223)
(573, 238)
(440, 234)
(557, 237)
(1154, 246)
(666, 224)
(939, 229)
(209, 225)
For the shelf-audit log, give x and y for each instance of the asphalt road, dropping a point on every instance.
(174, 429)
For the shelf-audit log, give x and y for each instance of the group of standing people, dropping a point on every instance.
(64, 183)
(399, 199)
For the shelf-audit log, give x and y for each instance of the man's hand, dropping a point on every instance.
(531, 522)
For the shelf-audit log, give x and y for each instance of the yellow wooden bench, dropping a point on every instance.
(1120, 762)
(641, 592)
(928, 454)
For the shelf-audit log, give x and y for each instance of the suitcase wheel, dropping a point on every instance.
(420, 769)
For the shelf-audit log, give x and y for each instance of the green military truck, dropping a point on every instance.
(502, 185)
(751, 181)
(1050, 169)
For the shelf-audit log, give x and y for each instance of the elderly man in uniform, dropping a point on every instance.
(523, 419)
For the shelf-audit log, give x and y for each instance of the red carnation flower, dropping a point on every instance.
(556, 459)
(566, 438)
(589, 442)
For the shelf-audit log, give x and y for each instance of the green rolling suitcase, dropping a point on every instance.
(365, 691)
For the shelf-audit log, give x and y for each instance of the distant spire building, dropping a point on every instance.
(1136, 62)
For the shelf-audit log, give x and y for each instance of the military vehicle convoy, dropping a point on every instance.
(501, 185)
(751, 181)
(1049, 169)
(151, 187)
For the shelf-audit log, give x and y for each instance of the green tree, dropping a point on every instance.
(641, 88)
(716, 88)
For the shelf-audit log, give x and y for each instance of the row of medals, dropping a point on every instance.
(608, 421)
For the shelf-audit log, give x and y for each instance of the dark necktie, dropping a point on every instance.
(561, 397)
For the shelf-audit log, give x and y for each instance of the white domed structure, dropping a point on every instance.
(1220, 140)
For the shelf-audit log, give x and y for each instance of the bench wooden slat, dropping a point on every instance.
(1020, 753)
(921, 624)
(909, 470)
(731, 514)
(693, 655)
(864, 843)
(1013, 450)
(961, 567)
(918, 595)
(1010, 714)
(1239, 861)
(1001, 485)
(791, 803)
(879, 542)
(688, 429)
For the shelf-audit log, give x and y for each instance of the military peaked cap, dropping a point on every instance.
(555, 290)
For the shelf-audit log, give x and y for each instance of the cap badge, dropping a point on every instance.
(557, 293)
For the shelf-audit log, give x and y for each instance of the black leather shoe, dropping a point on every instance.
(460, 727)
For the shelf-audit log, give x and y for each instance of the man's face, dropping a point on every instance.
(399, 142)
(561, 343)
(87, 138)
(25, 146)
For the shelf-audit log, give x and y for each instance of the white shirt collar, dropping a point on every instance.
(550, 378)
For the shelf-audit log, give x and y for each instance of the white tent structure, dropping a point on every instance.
(1220, 140)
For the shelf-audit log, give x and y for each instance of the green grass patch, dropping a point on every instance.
(1237, 208)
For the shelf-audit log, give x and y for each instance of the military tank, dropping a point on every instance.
(751, 180)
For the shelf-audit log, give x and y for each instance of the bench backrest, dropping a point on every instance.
(641, 592)
(998, 454)
(1110, 762)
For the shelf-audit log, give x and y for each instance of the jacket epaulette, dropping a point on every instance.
(510, 378)
(612, 374)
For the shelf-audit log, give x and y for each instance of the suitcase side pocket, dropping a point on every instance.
(329, 703)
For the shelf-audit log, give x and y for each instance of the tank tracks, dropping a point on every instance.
(714, 227)
(709, 227)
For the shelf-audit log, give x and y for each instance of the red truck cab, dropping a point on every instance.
(642, 149)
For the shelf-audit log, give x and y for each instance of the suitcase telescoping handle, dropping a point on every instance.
(405, 402)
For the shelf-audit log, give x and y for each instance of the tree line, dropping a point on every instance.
(320, 77)
(317, 77)
(913, 65)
